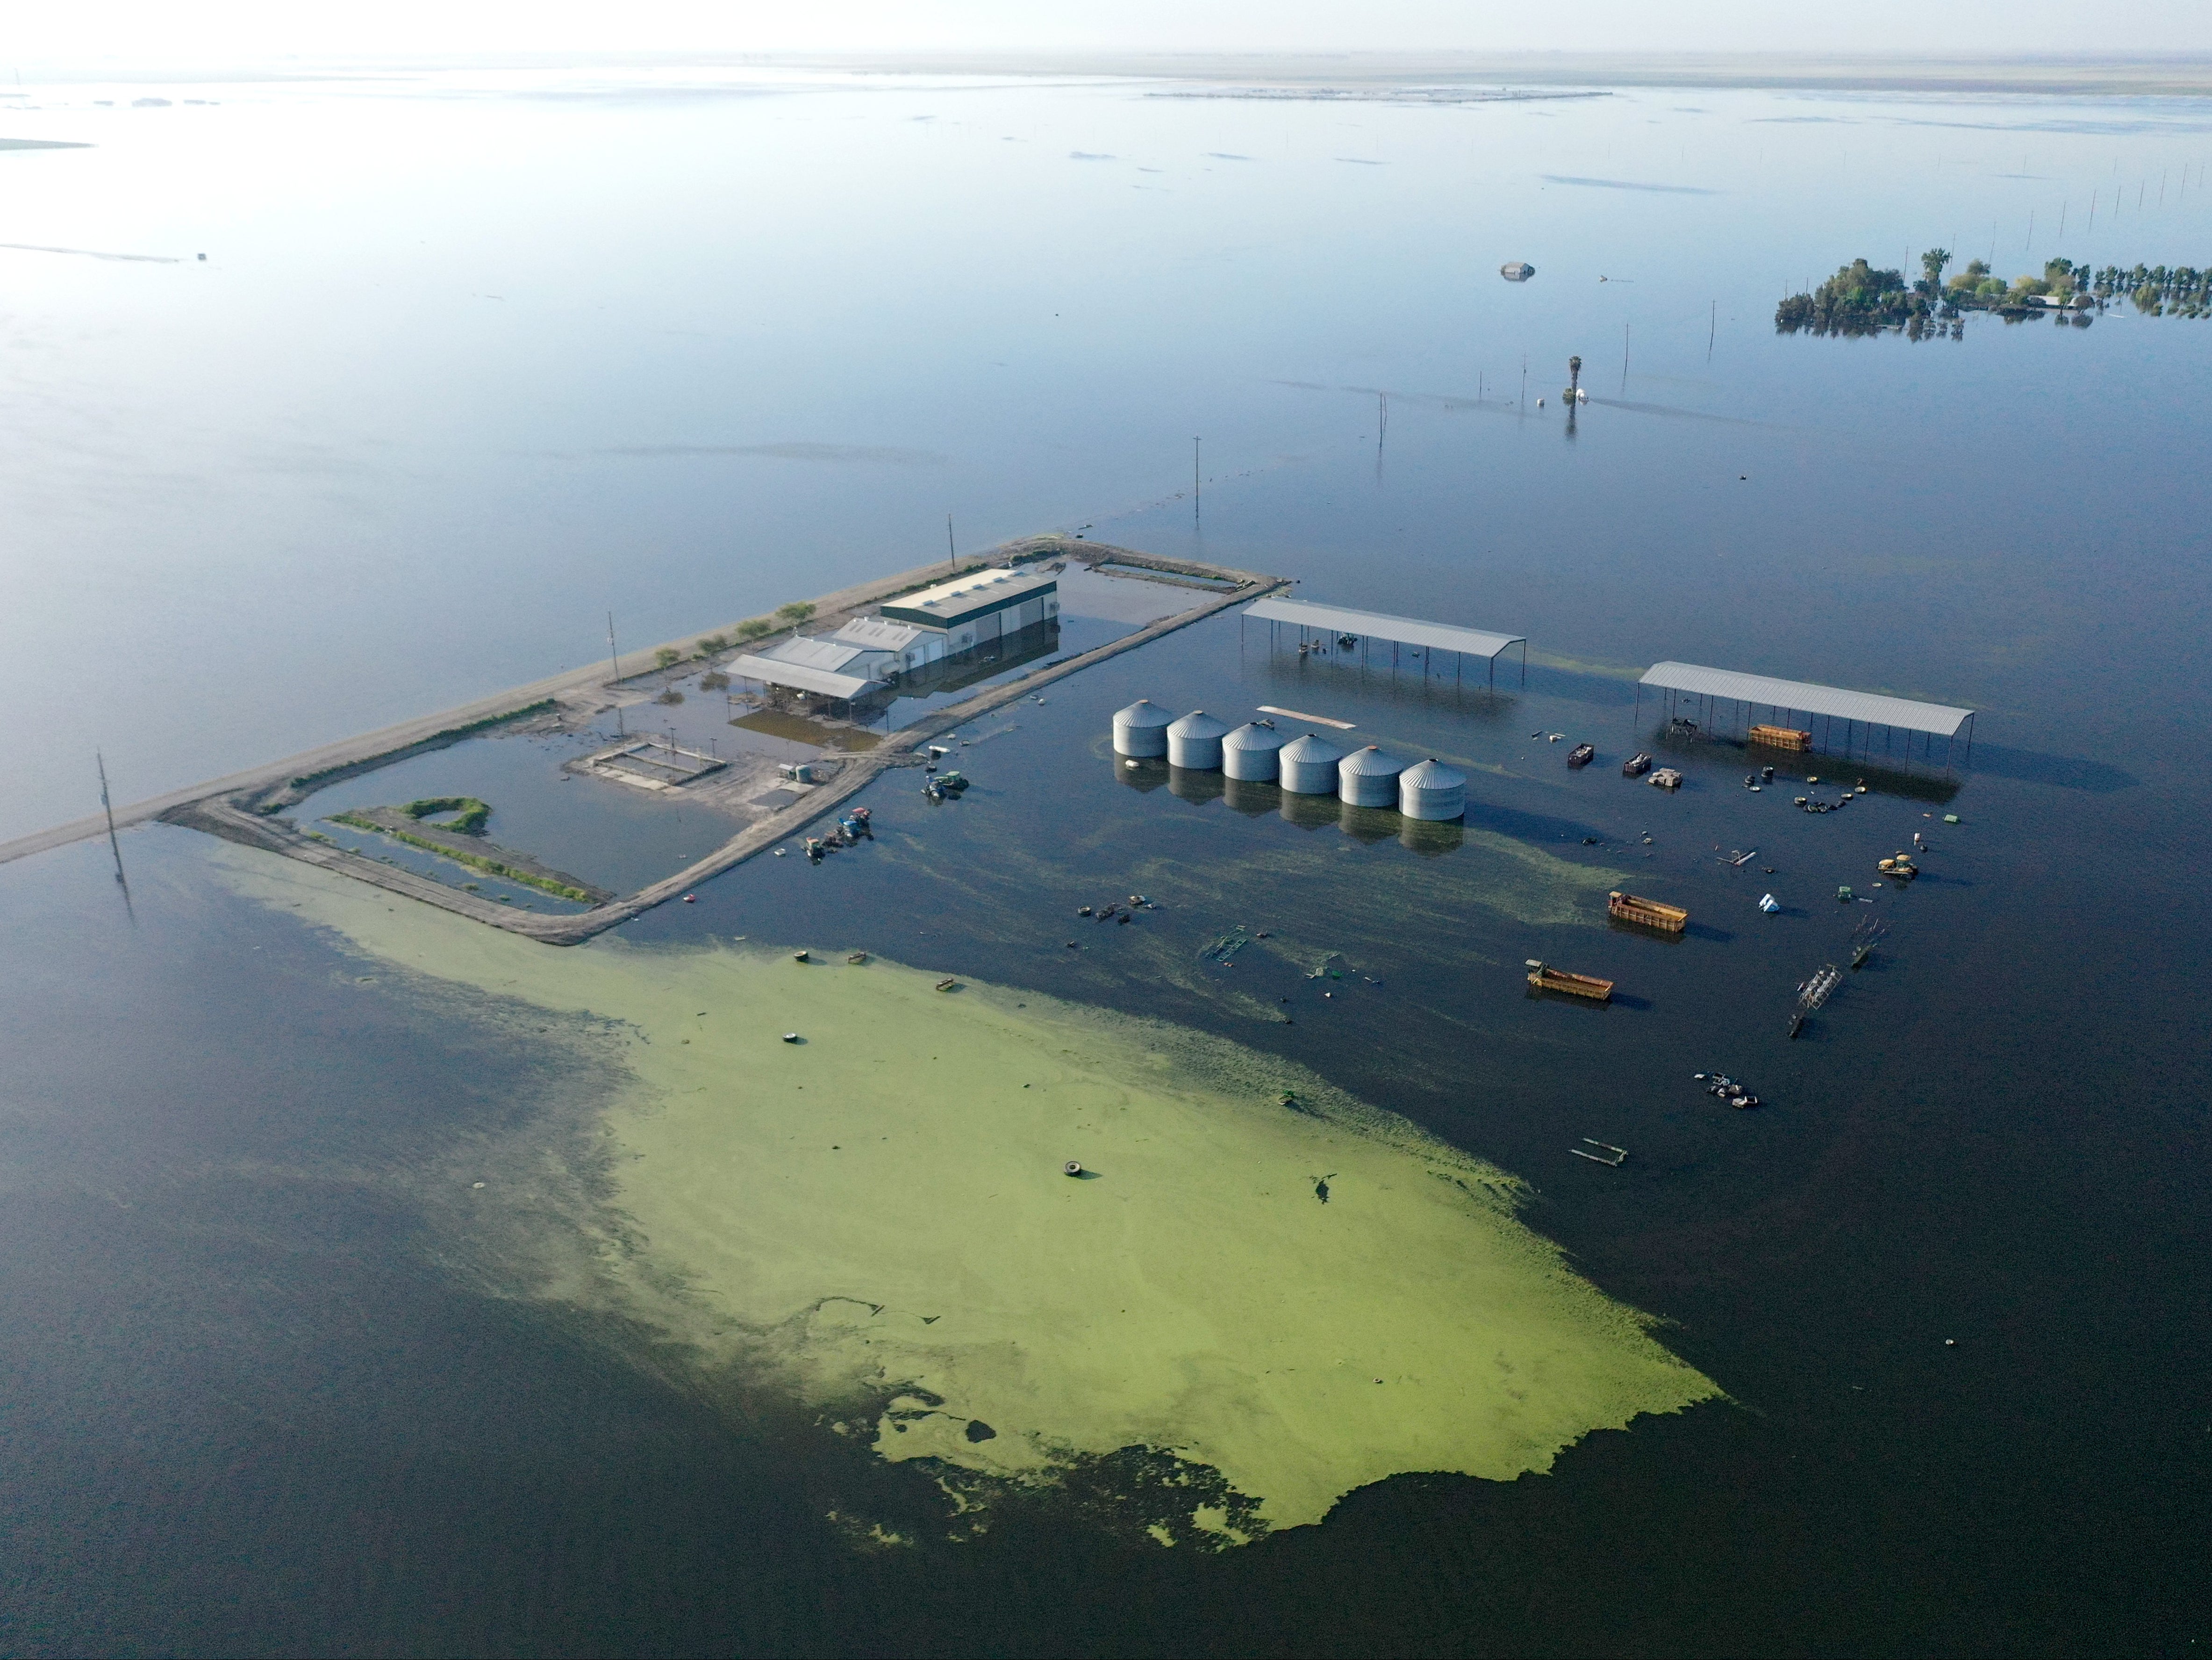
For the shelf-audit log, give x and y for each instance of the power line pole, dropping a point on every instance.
(1195, 480)
(952, 552)
(614, 665)
(113, 846)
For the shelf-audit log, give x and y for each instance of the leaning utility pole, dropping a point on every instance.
(113, 846)
(614, 664)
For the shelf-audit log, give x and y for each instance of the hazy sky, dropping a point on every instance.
(151, 31)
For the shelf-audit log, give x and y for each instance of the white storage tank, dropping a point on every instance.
(1368, 778)
(1308, 766)
(1250, 752)
(1429, 789)
(1141, 731)
(1195, 742)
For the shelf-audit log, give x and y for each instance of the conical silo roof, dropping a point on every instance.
(1431, 774)
(1310, 751)
(1252, 735)
(1199, 724)
(1373, 761)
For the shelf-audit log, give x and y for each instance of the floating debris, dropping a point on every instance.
(1725, 1089)
(1814, 993)
(1224, 949)
(1648, 912)
(1572, 985)
(1865, 938)
(1619, 1154)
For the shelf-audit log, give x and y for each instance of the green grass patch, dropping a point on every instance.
(473, 861)
(474, 814)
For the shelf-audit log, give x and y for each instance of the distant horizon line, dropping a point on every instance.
(2142, 74)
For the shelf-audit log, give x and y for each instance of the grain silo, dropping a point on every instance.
(1250, 752)
(1368, 778)
(1141, 730)
(1429, 789)
(1195, 742)
(1308, 766)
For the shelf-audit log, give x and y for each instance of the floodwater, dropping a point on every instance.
(276, 1382)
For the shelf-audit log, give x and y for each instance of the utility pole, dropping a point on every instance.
(1195, 483)
(113, 846)
(952, 553)
(614, 665)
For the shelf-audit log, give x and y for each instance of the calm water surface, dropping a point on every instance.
(471, 363)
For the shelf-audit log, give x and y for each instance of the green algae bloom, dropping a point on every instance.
(877, 1218)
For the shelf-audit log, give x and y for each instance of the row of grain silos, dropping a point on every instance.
(1308, 765)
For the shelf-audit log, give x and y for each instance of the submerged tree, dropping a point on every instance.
(1857, 300)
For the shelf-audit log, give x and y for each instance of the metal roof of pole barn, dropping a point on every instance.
(1407, 630)
(799, 677)
(1902, 713)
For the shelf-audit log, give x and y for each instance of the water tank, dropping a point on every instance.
(1429, 789)
(1368, 778)
(1250, 751)
(1308, 766)
(1141, 730)
(1195, 742)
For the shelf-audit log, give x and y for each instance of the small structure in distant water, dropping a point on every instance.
(1516, 270)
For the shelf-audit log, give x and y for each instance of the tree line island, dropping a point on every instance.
(1861, 300)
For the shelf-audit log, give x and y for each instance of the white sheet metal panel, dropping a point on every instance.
(1802, 698)
(1407, 630)
(799, 678)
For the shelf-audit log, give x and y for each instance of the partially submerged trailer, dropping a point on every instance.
(1647, 912)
